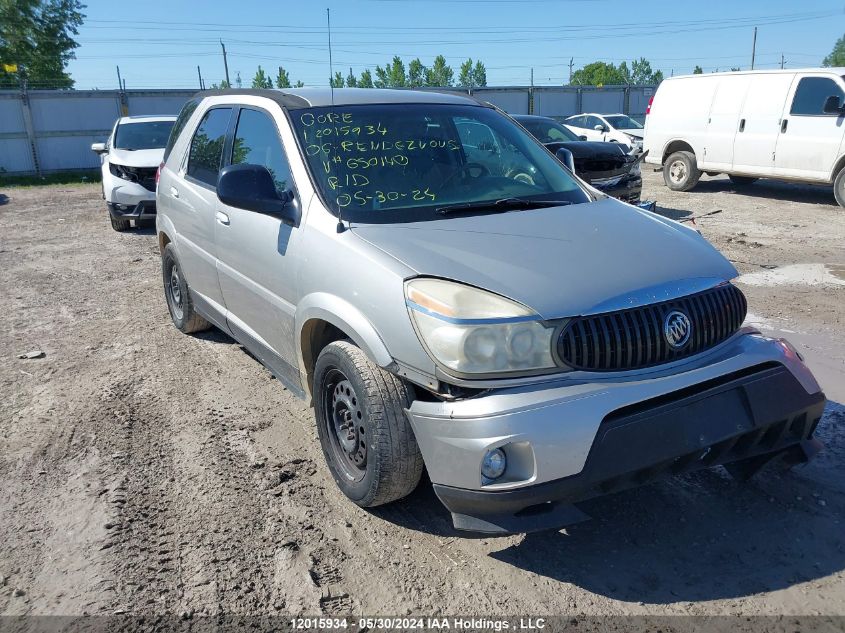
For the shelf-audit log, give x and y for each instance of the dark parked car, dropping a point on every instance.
(606, 166)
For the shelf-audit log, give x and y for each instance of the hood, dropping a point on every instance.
(560, 261)
(589, 149)
(635, 133)
(137, 158)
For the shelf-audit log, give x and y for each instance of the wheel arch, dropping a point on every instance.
(840, 165)
(321, 319)
(676, 145)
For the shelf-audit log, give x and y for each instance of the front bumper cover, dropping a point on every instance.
(748, 418)
(145, 209)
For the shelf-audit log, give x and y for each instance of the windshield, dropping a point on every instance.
(142, 135)
(622, 122)
(402, 162)
(548, 131)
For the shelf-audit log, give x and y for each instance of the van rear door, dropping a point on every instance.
(759, 123)
(723, 122)
(809, 140)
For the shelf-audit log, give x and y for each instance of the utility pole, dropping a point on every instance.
(754, 48)
(782, 61)
(571, 64)
(199, 75)
(531, 94)
(225, 64)
(119, 82)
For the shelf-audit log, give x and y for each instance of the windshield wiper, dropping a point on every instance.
(501, 205)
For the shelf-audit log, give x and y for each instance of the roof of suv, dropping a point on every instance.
(298, 98)
(140, 118)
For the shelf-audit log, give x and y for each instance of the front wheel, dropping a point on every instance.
(680, 171)
(839, 187)
(367, 441)
(119, 224)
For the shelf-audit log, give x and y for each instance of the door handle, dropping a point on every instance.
(742, 125)
(222, 218)
(174, 192)
(783, 125)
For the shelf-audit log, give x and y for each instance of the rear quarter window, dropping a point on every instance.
(185, 114)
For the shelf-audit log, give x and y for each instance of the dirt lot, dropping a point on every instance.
(144, 471)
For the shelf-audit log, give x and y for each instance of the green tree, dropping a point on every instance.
(282, 79)
(479, 74)
(298, 84)
(351, 80)
(223, 85)
(837, 55)
(261, 80)
(599, 74)
(337, 80)
(366, 80)
(416, 73)
(643, 75)
(392, 75)
(465, 76)
(37, 36)
(440, 74)
(698, 70)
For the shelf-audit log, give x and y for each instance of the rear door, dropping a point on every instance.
(723, 122)
(256, 267)
(809, 140)
(759, 124)
(191, 198)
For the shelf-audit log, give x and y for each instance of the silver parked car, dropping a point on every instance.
(466, 304)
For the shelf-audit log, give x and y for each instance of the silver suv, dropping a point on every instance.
(447, 294)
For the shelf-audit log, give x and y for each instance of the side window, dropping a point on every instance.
(257, 143)
(181, 121)
(207, 146)
(577, 121)
(592, 122)
(811, 94)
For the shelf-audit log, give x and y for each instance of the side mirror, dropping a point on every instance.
(832, 105)
(599, 128)
(99, 148)
(565, 156)
(582, 137)
(251, 187)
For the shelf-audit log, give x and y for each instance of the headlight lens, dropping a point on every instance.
(636, 170)
(123, 172)
(472, 331)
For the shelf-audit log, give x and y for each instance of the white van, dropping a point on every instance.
(785, 124)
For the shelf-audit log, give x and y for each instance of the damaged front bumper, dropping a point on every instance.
(571, 440)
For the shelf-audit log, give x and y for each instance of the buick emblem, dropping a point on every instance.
(677, 329)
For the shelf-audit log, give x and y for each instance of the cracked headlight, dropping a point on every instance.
(472, 331)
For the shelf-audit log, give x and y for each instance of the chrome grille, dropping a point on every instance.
(634, 338)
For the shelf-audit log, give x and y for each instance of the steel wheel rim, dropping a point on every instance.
(677, 171)
(343, 423)
(175, 291)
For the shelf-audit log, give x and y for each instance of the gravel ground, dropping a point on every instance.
(148, 472)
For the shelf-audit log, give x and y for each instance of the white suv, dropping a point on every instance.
(130, 158)
(616, 128)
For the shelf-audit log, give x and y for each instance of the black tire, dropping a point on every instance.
(839, 187)
(367, 441)
(680, 172)
(742, 180)
(119, 224)
(178, 296)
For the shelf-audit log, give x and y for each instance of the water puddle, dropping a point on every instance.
(797, 275)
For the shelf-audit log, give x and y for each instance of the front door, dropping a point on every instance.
(808, 145)
(255, 262)
(759, 124)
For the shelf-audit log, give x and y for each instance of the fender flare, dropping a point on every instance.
(344, 316)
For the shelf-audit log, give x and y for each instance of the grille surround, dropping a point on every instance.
(633, 338)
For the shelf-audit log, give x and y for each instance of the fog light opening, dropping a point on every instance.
(494, 464)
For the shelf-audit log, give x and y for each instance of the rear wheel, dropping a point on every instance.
(178, 295)
(839, 187)
(119, 224)
(742, 180)
(367, 440)
(680, 172)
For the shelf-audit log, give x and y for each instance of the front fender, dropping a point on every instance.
(344, 316)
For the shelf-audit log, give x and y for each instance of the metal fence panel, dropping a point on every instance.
(15, 156)
(152, 103)
(11, 115)
(512, 101)
(638, 101)
(555, 101)
(87, 110)
(603, 101)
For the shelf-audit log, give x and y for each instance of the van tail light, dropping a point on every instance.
(158, 173)
(648, 107)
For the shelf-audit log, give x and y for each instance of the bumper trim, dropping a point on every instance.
(743, 421)
(143, 209)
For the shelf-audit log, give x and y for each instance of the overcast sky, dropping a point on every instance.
(158, 44)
